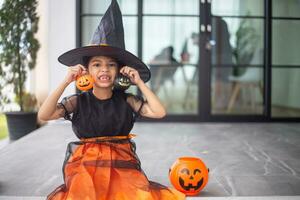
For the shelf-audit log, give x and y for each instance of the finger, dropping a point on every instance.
(74, 77)
(79, 69)
(82, 67)
(129, 70)
(75, 69)
(126, 69)
(132, 74)
(78, 72)
(84, 72)
(126, 72)
(122, 70)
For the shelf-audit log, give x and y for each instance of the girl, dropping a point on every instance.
(103, 165)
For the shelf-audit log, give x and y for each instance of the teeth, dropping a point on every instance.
(104, 78)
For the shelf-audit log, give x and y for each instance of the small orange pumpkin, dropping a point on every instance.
(84, 82)
(189, 175)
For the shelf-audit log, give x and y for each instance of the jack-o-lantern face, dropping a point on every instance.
(122, 82)
(84, 82)
(189, 175)
(190, 179)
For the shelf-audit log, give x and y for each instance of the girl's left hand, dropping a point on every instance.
(132, 74)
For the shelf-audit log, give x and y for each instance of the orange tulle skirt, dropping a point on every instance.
(107, 168)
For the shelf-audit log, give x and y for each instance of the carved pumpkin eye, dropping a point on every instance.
(188, 175)
(185, 171)
(197, 170)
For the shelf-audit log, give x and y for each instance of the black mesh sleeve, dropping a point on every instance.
(69, 105)
(136, 102)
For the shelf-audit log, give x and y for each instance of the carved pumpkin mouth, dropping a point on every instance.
(84, 85)
(124, 81)
(190, 186)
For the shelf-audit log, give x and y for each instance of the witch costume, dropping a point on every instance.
(103, 164)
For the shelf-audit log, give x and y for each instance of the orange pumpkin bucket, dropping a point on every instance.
(84, 82)
(189, 175)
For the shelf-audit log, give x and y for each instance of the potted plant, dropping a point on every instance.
(246, 43)
(18, 52)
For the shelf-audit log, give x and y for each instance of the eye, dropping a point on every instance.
(196, 170)
(112, 64)
(96, 65)
(185, 171)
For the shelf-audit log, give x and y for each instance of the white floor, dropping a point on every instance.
(255, 161)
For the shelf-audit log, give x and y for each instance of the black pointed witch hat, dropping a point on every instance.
(108, 40)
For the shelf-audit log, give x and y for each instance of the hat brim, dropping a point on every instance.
(123, 57)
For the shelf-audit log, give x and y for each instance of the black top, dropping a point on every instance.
(92, 117)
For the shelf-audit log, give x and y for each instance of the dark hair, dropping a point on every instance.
(86, 60)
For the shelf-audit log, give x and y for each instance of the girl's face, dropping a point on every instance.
(103, 70)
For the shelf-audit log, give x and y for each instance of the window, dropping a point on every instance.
(285, 58)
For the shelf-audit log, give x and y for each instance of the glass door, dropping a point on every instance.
(212, 60)
(236, 47)
(285, 59)
(171, 50)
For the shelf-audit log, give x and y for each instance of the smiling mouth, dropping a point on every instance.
(190, 186)
(104, 78)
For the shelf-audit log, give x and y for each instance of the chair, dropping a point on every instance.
(163, 68)
(251, 79)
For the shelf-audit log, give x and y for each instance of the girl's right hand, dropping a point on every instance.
(74, 72)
